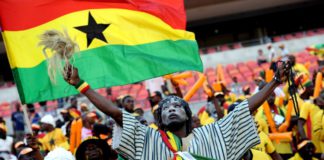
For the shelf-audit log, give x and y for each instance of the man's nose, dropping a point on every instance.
(171, 109)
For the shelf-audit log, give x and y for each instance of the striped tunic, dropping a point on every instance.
(228, 138)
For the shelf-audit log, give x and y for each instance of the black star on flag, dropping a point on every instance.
(93, 30)
(52, 142)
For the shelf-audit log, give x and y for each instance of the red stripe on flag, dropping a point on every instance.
(18, 15)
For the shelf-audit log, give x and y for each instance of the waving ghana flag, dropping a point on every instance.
(121, 42)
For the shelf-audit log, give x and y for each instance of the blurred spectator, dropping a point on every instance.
(5, 141)
(261, 58)
(88, 121)
(59, 153)
(283, 50)
(74, 103)
(195, 122)
(95, 149)
(33, 117)
(54, 136)
(60, 103)
(138, 110)
(128, 103)
(236, 87)
(271, 52)
(65, 125)
(84, 108)
(18, 122)
(298, 67)
(43, 108)
(155, 98)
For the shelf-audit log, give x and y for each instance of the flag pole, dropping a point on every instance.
(27, 120)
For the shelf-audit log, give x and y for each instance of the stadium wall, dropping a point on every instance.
(251, 53)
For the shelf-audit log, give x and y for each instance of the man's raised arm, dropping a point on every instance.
(106, 106)
(257, 100)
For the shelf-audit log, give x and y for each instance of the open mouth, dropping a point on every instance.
(172, 116)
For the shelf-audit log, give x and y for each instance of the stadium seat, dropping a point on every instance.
(224, 47)
(299, 35)
(289, 37)
(210, 69)
(237, 45)
(211, 50)
(310, 33)
(277, 39)
(116, 88)
(252, 64)
(229, 67)
(320, 31)
(240, 64)
(233, 72)
(127, 87)
(201, 51)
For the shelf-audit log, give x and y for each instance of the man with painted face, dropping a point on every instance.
(228, 138)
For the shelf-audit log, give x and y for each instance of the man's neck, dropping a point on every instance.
(180, 132)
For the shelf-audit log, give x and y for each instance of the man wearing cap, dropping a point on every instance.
(54, 136)
(228, 138)
(214, 109)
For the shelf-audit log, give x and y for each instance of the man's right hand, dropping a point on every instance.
(71, 75)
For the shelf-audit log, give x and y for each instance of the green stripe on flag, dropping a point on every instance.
(111, 65)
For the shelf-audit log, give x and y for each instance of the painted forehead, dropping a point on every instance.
(171, 100)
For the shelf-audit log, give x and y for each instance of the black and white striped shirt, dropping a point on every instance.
(228, 138)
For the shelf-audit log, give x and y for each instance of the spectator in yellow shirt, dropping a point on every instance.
(263, 150)
(278, 115)
(307, 118)
(299, 68)
(267, 146)
(319, 123)
(54, 136)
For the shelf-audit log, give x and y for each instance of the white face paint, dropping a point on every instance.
(173, 111)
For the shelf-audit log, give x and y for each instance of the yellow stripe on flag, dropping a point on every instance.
(127, 27)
